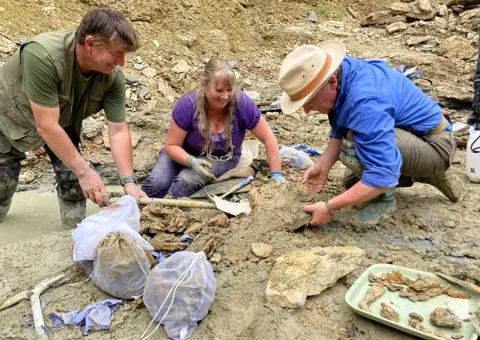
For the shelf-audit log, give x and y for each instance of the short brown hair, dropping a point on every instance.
(107, 25)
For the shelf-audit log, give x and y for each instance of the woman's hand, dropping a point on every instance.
(277, 177)
(201, 167)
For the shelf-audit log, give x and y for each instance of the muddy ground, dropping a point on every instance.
(427, 232)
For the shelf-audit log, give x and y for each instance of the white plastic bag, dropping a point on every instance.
(297, 158)
(246, 158)
(179, 292)
(124, 217)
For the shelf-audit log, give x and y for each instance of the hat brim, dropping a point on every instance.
(337, 50)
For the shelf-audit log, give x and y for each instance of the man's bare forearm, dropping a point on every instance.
(330, 155)
(357, 194)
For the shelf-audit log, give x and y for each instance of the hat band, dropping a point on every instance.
(315, 81)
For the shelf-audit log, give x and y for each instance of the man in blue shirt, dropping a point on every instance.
(385, 130)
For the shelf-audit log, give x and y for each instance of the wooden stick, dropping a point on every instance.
(170, 202)
(178, 203)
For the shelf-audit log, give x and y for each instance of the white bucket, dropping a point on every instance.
(473, 156)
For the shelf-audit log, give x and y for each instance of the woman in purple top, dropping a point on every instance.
(206, 133)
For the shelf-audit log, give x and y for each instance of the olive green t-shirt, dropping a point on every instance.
(40, 81)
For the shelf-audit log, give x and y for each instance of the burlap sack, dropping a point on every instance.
(121, 267)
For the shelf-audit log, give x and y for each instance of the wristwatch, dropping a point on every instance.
(329, 208)
(128, 179)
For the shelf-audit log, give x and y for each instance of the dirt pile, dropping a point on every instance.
(430, 232)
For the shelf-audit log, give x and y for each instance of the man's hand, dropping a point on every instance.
(93, 187)
(201, 167)
(132, 190)
(321, 215)
(314, 179)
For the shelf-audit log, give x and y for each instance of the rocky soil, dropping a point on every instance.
(427, 232)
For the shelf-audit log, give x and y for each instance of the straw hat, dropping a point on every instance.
(306, 70)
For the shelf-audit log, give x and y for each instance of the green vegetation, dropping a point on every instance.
(331, 9)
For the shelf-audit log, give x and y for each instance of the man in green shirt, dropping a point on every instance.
(53, 82)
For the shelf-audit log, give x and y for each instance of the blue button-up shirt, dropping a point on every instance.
(373, 100)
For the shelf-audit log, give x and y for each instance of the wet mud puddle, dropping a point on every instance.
(35, 213)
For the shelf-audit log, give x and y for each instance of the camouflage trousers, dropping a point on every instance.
(69, 193)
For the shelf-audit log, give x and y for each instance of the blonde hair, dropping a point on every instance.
(218, 70)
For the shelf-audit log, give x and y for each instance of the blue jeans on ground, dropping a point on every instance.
(177, 180)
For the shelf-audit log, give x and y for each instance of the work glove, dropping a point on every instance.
(201, 167)
(277, 177)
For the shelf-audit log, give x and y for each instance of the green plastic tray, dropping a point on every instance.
(404, 306)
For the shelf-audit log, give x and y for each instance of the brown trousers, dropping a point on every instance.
(424, 156)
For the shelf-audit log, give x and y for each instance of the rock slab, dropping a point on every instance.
(396, 27)
(300, 274)
(457, 47)
(6, 45)
(262, 250)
